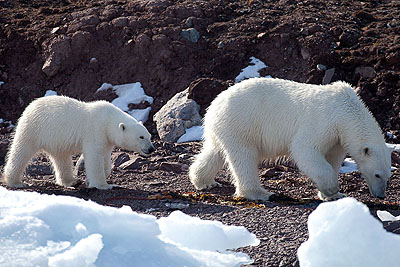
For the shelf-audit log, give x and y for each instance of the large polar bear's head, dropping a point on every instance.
(374, 163)
(133, 136)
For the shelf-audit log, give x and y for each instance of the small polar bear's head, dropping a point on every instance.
(374, 163)
(134, 136)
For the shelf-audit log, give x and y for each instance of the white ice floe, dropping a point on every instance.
(344, 233)
(50, 230)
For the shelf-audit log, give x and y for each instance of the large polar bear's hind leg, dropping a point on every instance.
(21, 152)
(243, 164)
(206, 166)
(62, 165)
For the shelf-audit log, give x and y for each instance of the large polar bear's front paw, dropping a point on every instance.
(104, 186)
(259, 194)
(336, 196)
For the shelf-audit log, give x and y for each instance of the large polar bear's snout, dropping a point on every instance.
(147, 149)
(377, 187)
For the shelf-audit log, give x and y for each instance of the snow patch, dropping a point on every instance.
(251, 71)
(131, 93)
(385, 216)
(50, 93)
(194, 133)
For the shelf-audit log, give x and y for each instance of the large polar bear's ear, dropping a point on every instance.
(122, 126)
(140, 122)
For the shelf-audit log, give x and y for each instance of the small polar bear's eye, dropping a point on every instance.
(377, 176)
(141, 137)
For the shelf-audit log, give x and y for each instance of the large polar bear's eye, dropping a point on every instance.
(141, 137)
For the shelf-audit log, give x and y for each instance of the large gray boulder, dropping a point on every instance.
(177, 115)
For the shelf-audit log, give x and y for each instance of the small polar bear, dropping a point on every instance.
(62, 126)
(315, 125)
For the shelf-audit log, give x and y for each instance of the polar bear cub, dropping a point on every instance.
(62, 126)
(315, 125)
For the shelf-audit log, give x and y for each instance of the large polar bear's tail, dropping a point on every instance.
(205, 167)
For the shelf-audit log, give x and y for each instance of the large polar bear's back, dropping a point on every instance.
(272, 111)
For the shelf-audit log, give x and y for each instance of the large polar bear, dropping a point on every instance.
(62, 126)
(315, 125)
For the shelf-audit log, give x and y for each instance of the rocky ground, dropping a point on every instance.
(73, 47)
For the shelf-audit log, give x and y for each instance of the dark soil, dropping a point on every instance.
(73, 47)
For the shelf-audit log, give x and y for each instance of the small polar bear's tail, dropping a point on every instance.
(205, 167)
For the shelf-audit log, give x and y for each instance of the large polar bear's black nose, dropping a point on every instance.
(151, 150)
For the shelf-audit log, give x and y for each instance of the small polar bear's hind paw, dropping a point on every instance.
(333, 197)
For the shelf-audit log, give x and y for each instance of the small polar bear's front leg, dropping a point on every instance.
(95, 170)
(107, 162)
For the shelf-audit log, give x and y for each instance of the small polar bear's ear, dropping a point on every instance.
(140, 122)
(122, 126)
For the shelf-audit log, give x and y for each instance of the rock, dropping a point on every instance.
(188, 22)
(120, 22)
(80, 42)
(58, 51)
(328, 76)
(190, 34)
(349, 38)
(178, 114)
(119, 158)
(269, 173)
(171, 167)
(393, 58)
(321, 67)
(305, 54)
(51, 66)
(365, 72)
(132, 164)
(204, 90)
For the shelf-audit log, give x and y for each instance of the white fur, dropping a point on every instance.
(62, 126)
(315, 125)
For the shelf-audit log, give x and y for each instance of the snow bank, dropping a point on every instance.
(131, 93)
(344, 233)
(194, 133)
(49, 230)
(251, 71)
